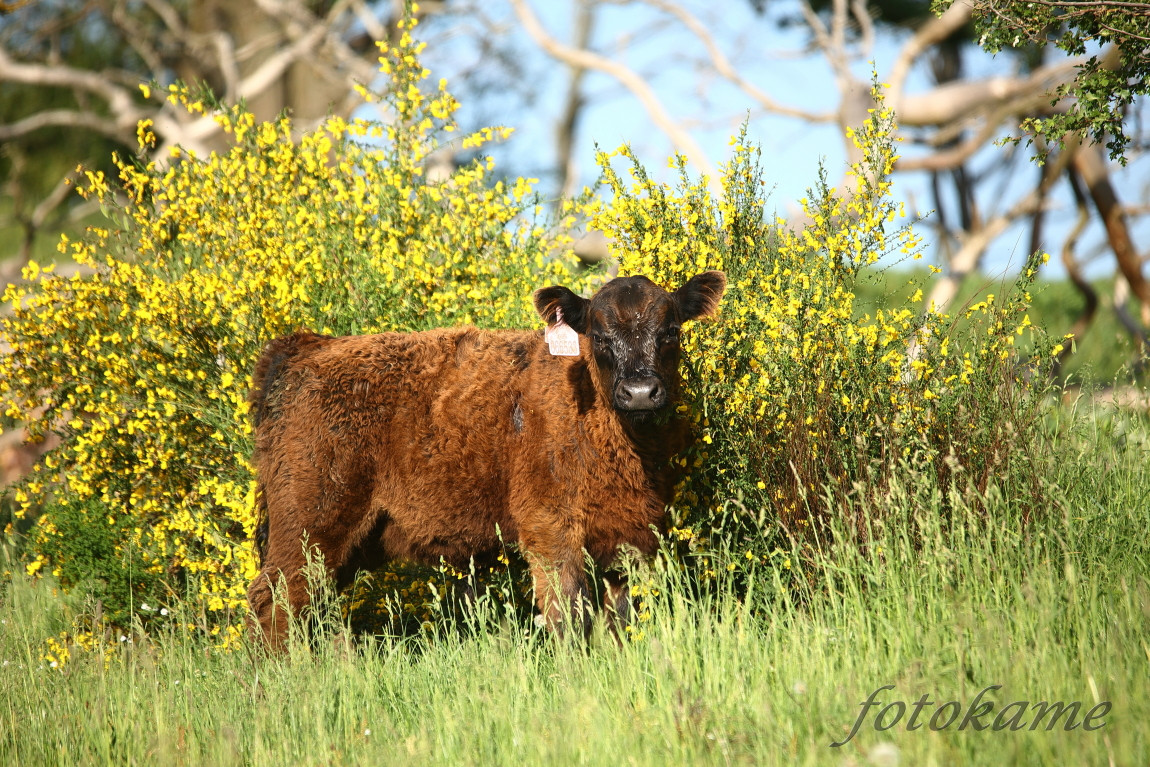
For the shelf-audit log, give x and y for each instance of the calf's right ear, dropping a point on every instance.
(573, 308)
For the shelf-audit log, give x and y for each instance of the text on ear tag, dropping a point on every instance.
(562, 341)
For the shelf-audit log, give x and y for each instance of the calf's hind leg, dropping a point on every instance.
(285, 562)
(269, 613)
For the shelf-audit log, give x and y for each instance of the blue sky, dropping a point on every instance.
(713, 109)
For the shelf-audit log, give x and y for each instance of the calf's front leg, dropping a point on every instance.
(617, 602)
(561, 596)
(554, 549)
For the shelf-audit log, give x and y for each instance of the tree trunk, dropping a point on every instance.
(1090, 164)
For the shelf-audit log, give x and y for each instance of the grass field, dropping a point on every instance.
(1055, 611)
(985, 600)
(1102, 356)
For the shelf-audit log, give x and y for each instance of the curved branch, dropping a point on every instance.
(229, 66)
(838, 39)
(1121, 298)
(970, 251)
(1090, 164)
(120, 101)
(34, 222)
(135, 36)
(724, 67)
(1074, 272)
(272, 69)
(953, 157)
(169, 16)
(953, 101)
(62, 118)
(866, 27)
(307, 30)
(370, 21)
(956, 155)
(931, 33)
(573, 103)
(681, 139)
(825, 39)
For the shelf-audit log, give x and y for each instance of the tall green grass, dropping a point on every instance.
(941, 604)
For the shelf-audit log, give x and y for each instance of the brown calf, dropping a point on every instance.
(422, 446)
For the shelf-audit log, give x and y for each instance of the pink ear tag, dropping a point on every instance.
(562, 341)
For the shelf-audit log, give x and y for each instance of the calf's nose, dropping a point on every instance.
(641, 394)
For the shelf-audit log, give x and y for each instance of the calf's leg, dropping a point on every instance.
(272, 617)
(617, 603)
(561, 596)
(555, 553)
(343, 553)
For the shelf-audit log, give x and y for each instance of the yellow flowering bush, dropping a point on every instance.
(144, 366)
(802, 397)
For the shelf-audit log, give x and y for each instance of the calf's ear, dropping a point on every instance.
(574, 308)
(699, 296)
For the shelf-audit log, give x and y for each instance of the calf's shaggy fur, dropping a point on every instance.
(421, 446)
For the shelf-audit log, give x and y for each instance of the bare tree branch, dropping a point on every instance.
(34, 222)
(275, 66)
(370, 21)
(934, 31)
(974, 245)
(824, 39)
(137, 39)
(29, 223)
(119, 100)
(311, 40)
(680, 139)
(62, 118)
(1132, 326)
(725, 69)
(838, 31)
(954, 156)
(229, 66)
(1074, 272)
(1090, 164)
(169, 16)
(572, 106)
(866, 28)
(957, 100)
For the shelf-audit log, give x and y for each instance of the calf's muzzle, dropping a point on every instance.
(640, 393)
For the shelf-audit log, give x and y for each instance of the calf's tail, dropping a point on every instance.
(270, 366)
(273, 359)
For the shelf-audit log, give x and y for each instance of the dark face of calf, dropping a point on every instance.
(633, 326)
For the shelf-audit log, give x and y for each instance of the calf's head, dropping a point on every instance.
(632, 326)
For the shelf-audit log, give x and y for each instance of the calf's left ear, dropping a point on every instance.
(574, 308)
(699, 296)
